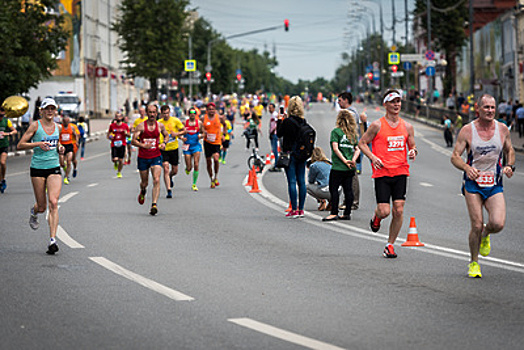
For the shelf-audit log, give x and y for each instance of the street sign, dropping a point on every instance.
(208, 68)
(376, 74)
(413, 57)
(393, 58)
(430, 71)
(407, 65)
(187, 81)
(430, 55)
(397, 74)
(430, 63)
(190, 65)
(376, 65)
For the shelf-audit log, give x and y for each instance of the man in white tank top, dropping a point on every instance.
(486, 140)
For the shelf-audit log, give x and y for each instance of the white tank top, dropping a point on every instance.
(486, 156)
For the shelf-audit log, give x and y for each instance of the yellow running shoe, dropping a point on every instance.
(66, 180)
(119, 175)
(194, 187)
(474, 270)
(485, 246)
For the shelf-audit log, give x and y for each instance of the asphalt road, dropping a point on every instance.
(223, 269)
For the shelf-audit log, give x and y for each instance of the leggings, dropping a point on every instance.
(339, 178)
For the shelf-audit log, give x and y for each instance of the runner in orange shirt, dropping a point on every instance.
(69, 136)
(213, 138)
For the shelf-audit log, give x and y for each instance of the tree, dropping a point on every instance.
(152, 38)
(31, 37)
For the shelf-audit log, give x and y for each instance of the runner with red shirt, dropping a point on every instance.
(118, 133)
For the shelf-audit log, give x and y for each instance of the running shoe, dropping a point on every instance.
(293, 214)
(33, 219)
(474, 270)
(375, 224)
(389, 252)
(169, 194)
(212, 184)
(153, 210)
(66, 180)
(52, 249)
(3, 186)
(194, 187)
(74, 172)
(119, 175)
(142, 197)
(81, 158)
(485, 246)
(217, 183)
(224, 161)
(188, 172)
(300, 213)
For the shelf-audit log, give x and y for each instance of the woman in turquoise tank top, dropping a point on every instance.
(42, 137)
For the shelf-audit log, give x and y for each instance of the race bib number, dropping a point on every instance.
(171, 139)
(151, 142)
(211, 137)
(486, 179)
(395, 143)
(118, 143)
(65, 137)
(185, 147)
(52, 142)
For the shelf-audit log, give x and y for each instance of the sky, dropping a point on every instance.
(319, 30)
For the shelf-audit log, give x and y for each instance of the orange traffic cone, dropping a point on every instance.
(289, 208)
(255, 188)
(412, 240)
(250, 177)
(268, 160)
(272, 156)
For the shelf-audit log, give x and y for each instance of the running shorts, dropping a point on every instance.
(170, 156)
(118, 152)
(391, 187)
(3, 150)
(210, 149)
(485, 192)
(69, 148)
(44, 172)
(146, 163)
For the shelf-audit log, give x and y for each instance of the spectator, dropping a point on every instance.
(318, 178)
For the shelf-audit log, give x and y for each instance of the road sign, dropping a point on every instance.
(397, 74)
(413, 57)
(430, 71)
(190, 65)
(430, 55)
(187, 81)
(208, 68)
(376, 74)
(376, 65)
(407, 65)
(393, 58)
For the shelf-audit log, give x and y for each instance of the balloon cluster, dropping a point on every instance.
(15, 106)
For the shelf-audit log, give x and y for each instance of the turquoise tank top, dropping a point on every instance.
(45, 159)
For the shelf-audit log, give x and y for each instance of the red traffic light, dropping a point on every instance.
(370, 76)
(208, 76)
(394, 68)
(239, 77)
(286, 24)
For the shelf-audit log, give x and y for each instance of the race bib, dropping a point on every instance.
(395, 143)
(118, 143)
(211, 137)
(171, 139)
(66, 137)
(185, 147)
(151, 142)
(486, 179)
(52, 142)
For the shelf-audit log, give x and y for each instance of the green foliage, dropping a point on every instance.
(30, 38)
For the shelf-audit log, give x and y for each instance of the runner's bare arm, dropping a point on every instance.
(413, 152)
(24, 142)
(509, 152)
(460, 146)
(136, 135)
(368, 136)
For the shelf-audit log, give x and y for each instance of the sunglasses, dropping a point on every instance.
(192, 112)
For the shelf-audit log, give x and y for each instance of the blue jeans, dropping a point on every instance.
(274, 146)
(296, 174)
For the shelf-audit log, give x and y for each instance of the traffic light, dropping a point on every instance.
(286, 24)
(370, 76)
(394, 68)
(239, 77)
(208, 76)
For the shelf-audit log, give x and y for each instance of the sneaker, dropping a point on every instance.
(300, 213)
(194, 187)
(485, 246)
(474, 270)
(217, 183)
(153, 210)
(212, 184)
(74, 172)
(119, 175)
(188, 172)
(389, 252)
(142, 197)
(52, 249)
(169, 194)
(375, 224)
(81, 158)
(293, 214)
(3, 186)
(224, 161)
(66, 180)
(33, 219)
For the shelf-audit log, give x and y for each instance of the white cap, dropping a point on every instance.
(48, 101)
(391, 96)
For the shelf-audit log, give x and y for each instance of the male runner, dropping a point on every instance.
(147, 139)
(69, 136)
(227, 130)
(486, 141)
(213, 138)
(175, 128)
(6, 130)
(393, 141)
(118, 132)
(43, 137)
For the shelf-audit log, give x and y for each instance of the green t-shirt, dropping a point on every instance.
(346, 147)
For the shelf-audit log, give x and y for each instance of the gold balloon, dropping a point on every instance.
(15, 106)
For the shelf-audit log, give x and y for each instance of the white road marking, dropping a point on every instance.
(67, 197)
(282, 334)
(93, 184)
(426, 184)
(146, 282)
(271, 201)
(67, 240)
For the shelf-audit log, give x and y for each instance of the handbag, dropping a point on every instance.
(284, 158)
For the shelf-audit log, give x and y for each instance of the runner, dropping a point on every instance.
(118, 132)
(6, 130)
(69, 136)
(175, 128)
(43, 137)
(486, 141)
(392, 140)
(227, 131)
(192, 147)
(146, 138)
(83, 128)
(213, 138)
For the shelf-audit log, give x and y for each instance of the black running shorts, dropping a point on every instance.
(391, 188)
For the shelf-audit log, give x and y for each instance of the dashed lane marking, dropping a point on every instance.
(67, 240)
(426, 184)
(68, 196)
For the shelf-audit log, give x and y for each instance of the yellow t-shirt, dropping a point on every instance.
(138, 121)
(172, 124)
(226, 130)
(258, 109)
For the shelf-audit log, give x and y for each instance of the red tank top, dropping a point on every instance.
(390, 145)
(149, 137)
(193, 129)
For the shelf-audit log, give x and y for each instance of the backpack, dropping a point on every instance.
(81, 129)
(305, 141)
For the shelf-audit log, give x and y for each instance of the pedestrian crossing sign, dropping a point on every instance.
(190, 65)
(393, 58)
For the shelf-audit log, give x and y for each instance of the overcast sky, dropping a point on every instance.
(320, 30)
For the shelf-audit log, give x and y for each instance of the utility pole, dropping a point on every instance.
(407, 41)
(394, 19)
(430, 85)
(471, 56)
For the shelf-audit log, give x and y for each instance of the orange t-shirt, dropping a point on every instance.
(390, 145)
(68, 134)
(213, 128)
